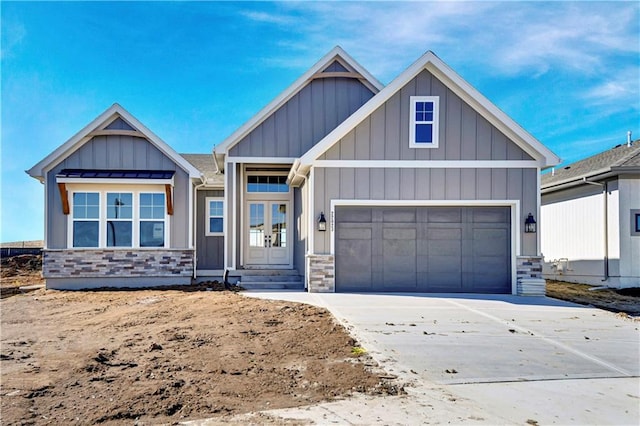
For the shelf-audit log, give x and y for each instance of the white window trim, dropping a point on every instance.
(208, 216)
(413, 122)
(135, 190)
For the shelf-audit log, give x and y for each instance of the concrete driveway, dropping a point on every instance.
(492, 359)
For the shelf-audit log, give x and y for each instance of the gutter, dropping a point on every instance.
(606, 224)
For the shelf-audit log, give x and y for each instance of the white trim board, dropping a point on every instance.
(460, 87)
(513, 204)
(337, 53)
(83, 136)
(429, 164)
(102, 181)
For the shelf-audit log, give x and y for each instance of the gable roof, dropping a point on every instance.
(337, 54)
(460, 87)
(620, 158)
(101, 125)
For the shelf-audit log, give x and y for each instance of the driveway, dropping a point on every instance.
(504, 358)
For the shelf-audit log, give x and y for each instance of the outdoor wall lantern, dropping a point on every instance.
(530, 224)
(322, 222)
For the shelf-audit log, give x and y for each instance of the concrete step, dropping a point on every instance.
(269, 278)
(272, 285)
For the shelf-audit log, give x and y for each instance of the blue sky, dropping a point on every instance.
(193, 72)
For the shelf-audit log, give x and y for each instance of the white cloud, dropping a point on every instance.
(620, 86)
(13, 33)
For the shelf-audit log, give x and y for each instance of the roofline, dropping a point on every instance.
(291, 91)
(83, 136)
(599, 174)
(461, 88)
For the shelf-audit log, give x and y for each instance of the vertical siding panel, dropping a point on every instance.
(452, 127)
(347, 183)
(362, 184)
(317, 110)
(453, 183)
(468, 133)
(468, 184)
(269, 137)
(306, 120)
(347, 146)
(423, 184)
(407, 184)
(342, 102)
(422, 88)
(332, 192)
(333, 153)
(391, 184)
(483, 184)
(499, 184)
(154, 158)
(113, 154)
(128, 151)
(281, 147)
(100, 152)
(363, 142)
(439, 89)
(514, 184)
(319, 205)
(330, 106)
(377, 134)
(438, 184)
(392, 128)
(498, 145)
(407, 91)
(529, 202)
(293, 123)
(483, 148)
(376, 184)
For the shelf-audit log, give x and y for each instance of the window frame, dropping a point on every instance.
(435, 123)
(635, 225)
(102, 190)
(73, 219)
(208, 216)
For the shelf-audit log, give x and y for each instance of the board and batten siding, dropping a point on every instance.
(209, 249)
(304, 119)
(425, 185)
(629, 187)
(464, 134)
(118, 153)
(300, 226)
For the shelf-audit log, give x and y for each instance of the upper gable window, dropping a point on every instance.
(423, 130)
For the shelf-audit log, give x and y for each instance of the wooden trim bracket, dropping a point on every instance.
(64, 197)
(167, 190)
(337, 74)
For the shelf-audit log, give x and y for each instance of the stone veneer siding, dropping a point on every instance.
(109, 263)
(321, 274)
(529, 276)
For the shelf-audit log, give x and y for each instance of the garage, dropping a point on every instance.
(423, 249)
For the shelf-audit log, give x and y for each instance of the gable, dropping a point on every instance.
(119, 124)
(464, 134)
(305, 119)
(335, 67)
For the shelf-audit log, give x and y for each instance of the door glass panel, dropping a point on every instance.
(278, 225)
(267, 184)
(256, 225)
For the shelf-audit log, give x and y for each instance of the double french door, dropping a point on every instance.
(268, 234)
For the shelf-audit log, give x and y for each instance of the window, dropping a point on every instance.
(117, 219)
(635, 222)
(267, 184)
(214, 216)
(86, 219)
(152, 214)
(423, 130)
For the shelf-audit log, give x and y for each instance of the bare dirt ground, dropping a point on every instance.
(625, 301)
(161, 356)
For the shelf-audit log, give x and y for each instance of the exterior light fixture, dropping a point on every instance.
(322, 222)
(529, 224)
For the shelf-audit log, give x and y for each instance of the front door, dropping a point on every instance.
(268, 237)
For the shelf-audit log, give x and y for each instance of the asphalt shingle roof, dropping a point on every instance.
(205, 164)
(620, 156)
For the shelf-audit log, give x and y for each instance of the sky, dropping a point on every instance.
(193, 72)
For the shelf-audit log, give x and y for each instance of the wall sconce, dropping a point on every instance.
(322, 222)
(529, 224)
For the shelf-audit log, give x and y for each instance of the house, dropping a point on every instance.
(342, 183)
(591, 216)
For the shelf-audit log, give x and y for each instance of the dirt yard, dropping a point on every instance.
(161, 356)
(625, 301)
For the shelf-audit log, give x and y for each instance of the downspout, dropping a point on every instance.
(606, 224)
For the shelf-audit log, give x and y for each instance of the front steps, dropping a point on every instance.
(261, 279)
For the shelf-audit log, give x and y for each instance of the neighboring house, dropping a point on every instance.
(591, 218)
(346, 185)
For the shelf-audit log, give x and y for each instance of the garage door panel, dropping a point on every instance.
(427, 249)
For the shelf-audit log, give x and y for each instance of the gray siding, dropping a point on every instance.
(113, 153)
(464, 134)
(425, 184)
(305, 119)
(119, 124)
(300, 237)
(209, 249)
